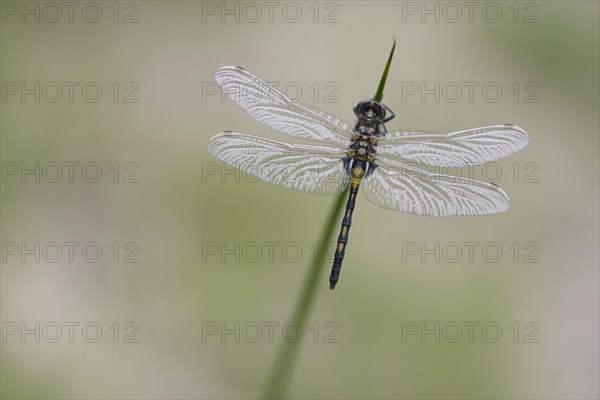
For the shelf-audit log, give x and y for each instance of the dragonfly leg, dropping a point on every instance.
(391, 117)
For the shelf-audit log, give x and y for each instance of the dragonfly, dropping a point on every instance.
(391, 168)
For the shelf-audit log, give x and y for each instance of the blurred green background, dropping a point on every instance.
(187, 209)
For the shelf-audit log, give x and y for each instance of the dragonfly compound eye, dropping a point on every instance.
(378, 110)
(363, 108)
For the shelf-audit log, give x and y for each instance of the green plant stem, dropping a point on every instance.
(379, 94)
(279, 377)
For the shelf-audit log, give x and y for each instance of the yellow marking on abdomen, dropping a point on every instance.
(357, 174)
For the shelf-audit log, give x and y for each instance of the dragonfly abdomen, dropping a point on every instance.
(357, 173)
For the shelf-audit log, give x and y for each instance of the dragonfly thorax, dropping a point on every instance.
(363, 146)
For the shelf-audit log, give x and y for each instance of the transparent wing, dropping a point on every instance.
(461, 148)
(277, 111)
(314, 169)
(412, 190)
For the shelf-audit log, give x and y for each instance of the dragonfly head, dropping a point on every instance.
(370, 110)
